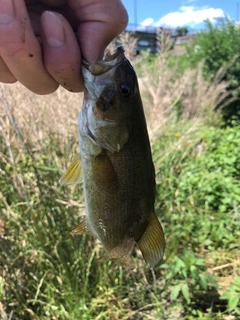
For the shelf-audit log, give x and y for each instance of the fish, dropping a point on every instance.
(115, 163)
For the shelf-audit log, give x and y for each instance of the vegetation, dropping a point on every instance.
(218, 45)
(181, 31)
(45, 273)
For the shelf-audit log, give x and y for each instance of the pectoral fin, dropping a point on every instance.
(113, 138)
(104, 173)
(81, 228)
(74, 174)
(152, 242)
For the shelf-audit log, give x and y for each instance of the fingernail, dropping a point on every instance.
(53, 29)
(7, 13)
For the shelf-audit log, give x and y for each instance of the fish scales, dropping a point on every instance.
(127, 206)
(116, 161)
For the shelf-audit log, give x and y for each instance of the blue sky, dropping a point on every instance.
(176, 13)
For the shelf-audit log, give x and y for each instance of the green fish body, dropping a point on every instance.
(116, 160)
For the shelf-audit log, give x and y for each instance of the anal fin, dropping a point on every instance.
(81, 228)
(74, 173)
(152, 242)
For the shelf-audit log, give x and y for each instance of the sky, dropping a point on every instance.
(178, 13)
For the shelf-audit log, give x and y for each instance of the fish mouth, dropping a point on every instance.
(100, 67)
(98, 75)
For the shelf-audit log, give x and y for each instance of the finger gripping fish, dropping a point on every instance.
(116, 161)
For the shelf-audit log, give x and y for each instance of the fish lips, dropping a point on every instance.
(98, 74)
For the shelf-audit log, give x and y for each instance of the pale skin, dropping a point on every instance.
(42, 42)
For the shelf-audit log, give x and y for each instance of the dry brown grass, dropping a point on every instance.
(36, 126)
(128, 42)
(28, 119)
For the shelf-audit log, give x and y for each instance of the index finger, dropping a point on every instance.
(20, 50)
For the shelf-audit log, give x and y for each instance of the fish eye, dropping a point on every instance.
(125, 90)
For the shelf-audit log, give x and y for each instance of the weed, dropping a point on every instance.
(47, 274)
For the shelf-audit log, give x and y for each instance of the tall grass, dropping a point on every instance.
(47, 274)
(170, 96)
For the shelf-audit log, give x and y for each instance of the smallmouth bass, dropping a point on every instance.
(116, 163)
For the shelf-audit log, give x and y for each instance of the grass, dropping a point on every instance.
(47, 274)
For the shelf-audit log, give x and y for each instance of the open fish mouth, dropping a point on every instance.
(98, 75)
(97, 68)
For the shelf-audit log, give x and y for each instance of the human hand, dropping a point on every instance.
(42, 42)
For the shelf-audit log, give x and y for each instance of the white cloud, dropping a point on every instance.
(188, 15)
(186, 9)
(147, 22)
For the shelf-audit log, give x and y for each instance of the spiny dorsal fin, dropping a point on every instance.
(152, 242)
(81, 228)
(74, 174)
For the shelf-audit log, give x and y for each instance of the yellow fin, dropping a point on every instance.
(74, 174)
(152, 242)
(81, 228)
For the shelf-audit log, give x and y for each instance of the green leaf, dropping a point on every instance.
(169, 275)
(185, 292)
(236, 281)
(225, 295)
(203, 281)
(175, 291)
(1, 286)
(233, 302)
(184, 273)
(200, 314)
(179, 264)
(211, 280)
(194, 271)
